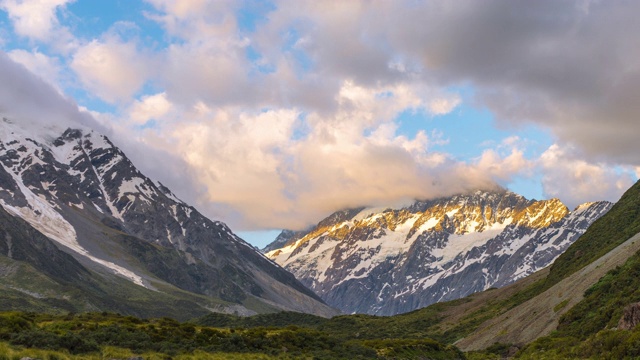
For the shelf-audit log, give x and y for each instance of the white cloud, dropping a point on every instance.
(444, 106)
(199, 20)
(34, 19)
(568, 177)
(112, 69)
(297, 118)
(288, 168)
(504, 168)
(37, 20)
(150, 107)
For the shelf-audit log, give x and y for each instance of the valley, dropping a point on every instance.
(126, 244)
(89, 252)
(319, 180)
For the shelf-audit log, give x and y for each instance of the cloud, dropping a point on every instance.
(48, 68)
(289, 167)
(295, 118)
(150, 107)
(550, 63)
(570, 67)
(37, 20)
(33, 19)
(27, 97)
(504, 168)
(196, 19)
(568, 177)
(111, 68)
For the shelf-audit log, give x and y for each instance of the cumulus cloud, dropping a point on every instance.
(111, 68)
(34, 19)
(289, 167)
(285, 123)
(570, 67)
(504, 168)
(565, 66)
(340, 73)
(37, 20)
(150, 107)
(568, 177)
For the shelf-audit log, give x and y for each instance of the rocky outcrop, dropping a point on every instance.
(386, 261)
(630, 317)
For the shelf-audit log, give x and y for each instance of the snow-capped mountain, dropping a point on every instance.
(79, 190)
(388, 261)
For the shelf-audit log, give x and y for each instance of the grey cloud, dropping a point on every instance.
(26, 95)
(570, 67)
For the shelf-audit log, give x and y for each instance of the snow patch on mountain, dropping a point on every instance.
(44, 217)
(383, 261)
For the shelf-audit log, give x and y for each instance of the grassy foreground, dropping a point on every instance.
(112, 336)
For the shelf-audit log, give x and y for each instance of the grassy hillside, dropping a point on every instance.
(589, 329)
(611, 230)
(605, 234)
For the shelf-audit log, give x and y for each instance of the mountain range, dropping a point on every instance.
(491, 272)
(385, 261)
(91, 232)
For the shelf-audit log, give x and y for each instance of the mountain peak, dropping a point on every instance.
(396, 260)
(76, 187)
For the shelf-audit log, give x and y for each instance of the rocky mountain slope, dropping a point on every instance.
(540, 315)
(80, 191)
(389, 261)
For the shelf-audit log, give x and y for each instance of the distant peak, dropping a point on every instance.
(591, 204)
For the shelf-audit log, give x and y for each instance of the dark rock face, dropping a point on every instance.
(385, 262)
(19, 241)
(83, 192)
(630, 317)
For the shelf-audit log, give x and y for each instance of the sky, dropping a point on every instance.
(274, 114)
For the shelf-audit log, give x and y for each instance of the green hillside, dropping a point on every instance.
(611, 230)
(589, 329)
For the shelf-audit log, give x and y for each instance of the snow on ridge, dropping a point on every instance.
(42, 216)
(479, 232)
(463, 243)
(66, 152)
(18, 127)
(167, 192)
(134, 186)
(368, 213)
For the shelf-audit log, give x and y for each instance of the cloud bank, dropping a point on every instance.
(296, 115)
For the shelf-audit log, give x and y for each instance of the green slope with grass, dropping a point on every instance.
(96, 334)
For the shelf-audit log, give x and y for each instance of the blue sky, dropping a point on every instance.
(277, 113)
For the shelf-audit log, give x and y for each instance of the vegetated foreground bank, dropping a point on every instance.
(104, 335)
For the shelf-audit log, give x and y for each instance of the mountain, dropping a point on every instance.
(385, 261)
(582, 305)
(122, 237)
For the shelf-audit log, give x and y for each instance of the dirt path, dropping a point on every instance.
(536, 317)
